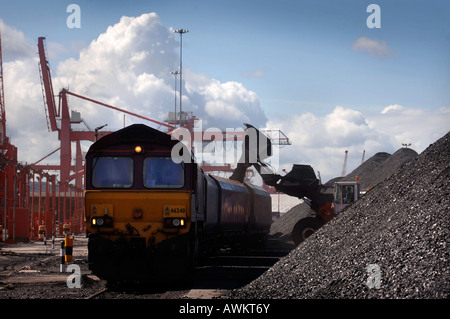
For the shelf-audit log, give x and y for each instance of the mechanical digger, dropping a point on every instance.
(300, 182)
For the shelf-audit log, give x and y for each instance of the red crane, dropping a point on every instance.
(14, 208)
(2, 99)
(60, 120)
(65, 133)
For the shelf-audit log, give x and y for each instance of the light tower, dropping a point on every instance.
(175, 73)
(344, 167)
(181, 31)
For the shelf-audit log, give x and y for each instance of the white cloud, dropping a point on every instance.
(25, 115)
(14, 43)
(55, 49)
(321, 141)
(257, 74)
(420, 127)
(226, 105)
(127, 66)
(377, 48)
(393, 107)
(131, 63)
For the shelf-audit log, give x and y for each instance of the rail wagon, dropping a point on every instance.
(150, 214)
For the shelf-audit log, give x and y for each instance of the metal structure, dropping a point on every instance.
(60, 119)
(33, 202)
(14, 200)
(174, 117)
(66, 134)
(181, 32)
(2, 99)
(344, 167)
(187, 121)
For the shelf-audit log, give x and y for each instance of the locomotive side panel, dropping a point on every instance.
(234, 210)
(261, 208)
(211, 204)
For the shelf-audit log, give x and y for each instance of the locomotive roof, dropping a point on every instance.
(135, 133)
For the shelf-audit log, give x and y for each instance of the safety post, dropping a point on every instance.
(68, 241)
(63, 259)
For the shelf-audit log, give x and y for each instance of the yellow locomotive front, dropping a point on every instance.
(138, 207)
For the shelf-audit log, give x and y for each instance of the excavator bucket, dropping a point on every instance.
(255, 149)
(300, 182)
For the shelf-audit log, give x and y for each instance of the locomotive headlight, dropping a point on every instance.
(174, 222)
(138, 149)
(105, 221)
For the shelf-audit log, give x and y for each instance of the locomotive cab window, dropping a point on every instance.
(112, 172)
(162, 172)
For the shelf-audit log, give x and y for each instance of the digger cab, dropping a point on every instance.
(345, 193)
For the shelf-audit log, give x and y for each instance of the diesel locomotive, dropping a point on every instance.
(149, 215)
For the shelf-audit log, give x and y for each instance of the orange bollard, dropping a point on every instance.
(68, 241)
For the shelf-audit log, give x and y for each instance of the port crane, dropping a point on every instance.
(66, 135)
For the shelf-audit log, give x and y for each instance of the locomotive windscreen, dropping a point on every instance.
(118, 172)
(162, 172)
(112, 172)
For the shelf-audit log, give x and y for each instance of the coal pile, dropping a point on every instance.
(393, 243)
(282, 227)
(377, 168)
(373, 171)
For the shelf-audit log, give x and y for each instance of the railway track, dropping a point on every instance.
(213, 278)
(98, 293)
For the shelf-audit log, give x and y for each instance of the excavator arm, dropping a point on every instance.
(300, 182)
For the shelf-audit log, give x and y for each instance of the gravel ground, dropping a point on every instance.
(393, 243)
(30, 274)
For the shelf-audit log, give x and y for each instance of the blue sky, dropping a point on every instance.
(302, 48)
(298, 57)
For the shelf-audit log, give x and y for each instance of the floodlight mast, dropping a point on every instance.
(181, 31)
(175, 73)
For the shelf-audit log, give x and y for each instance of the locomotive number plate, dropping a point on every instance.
(174, 211)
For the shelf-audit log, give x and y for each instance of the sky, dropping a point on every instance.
(316, 70)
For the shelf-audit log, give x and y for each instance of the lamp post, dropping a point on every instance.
(181, 31)
(175, 73)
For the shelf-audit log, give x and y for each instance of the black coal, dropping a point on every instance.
(393, 243)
